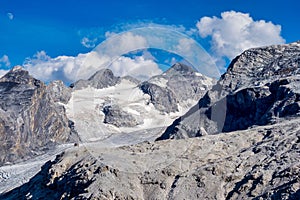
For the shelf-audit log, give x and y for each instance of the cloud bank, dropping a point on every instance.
(235, 32)
(70, 69)
(110, 54)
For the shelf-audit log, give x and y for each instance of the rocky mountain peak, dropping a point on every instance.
(180, 84)
(180, 68)
(101, 79)
(102, 73)
(19, 75)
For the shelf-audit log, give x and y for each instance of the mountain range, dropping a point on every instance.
(178, 135)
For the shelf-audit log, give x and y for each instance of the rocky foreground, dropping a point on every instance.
(261, 163)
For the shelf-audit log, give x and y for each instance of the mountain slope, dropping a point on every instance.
(261, 163)
(260, 86)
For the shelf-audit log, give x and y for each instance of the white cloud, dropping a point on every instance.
(109, 55)
(235, 32)
(70, 69)
(10, 16)
(185, 46)
(66, 68)
(4, 60)
(138, 67)
(89, 43)
(119, 44)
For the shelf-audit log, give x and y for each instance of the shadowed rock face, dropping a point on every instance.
(163, 99)
(260, 86)
(116, 116)
(31, 120)
(179, 84)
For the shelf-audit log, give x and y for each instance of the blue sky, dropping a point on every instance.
(58, 27)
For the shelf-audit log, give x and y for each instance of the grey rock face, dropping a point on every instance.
(259, 86)
(163, 99)
(31, 120)
(116, 116)
(184, 81)
(59, 92)
(101, 79)
(261, 163)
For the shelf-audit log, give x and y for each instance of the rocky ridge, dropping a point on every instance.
(260, 86)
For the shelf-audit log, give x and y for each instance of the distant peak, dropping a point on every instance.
(181, 68)
(102, 73)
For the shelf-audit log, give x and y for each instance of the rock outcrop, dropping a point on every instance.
(163, 99)
(260, 86)
(31, 118)
(116, 116)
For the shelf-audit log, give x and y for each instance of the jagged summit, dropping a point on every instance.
(19, 75)
(182, 82)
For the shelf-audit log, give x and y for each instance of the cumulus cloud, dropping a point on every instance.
(66, 68)
(108, 55)
(4, 61)
(70, 69)
(235, 32)
(138, 67)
